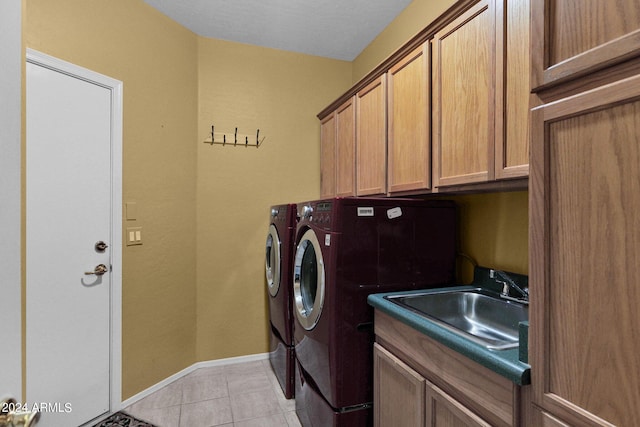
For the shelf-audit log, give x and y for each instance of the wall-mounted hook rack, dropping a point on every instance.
(234, 139)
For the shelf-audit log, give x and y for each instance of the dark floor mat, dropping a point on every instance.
(122, 419)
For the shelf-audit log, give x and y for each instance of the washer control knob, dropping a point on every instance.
(274, 212)
(307, 211)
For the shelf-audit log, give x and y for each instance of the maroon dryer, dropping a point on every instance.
(279, 271)
(346, 249)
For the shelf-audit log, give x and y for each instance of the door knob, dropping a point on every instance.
(99, 270)
(14, 415)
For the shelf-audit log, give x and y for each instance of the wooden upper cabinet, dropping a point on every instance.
(464, 80)
(328, 157)
(481, 95)
(574, 38)
(371, 138)
(409, 140)
(585, 262)
(450, 107)
(512, 114)
(345, 118)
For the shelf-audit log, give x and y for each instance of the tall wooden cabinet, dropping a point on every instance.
(585, 189)
(584, 204)
(575, 39)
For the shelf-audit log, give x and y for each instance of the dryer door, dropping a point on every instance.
(273, 260)
(308, 280)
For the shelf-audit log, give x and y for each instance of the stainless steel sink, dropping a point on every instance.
(479, 315)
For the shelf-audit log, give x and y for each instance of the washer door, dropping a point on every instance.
(308, 280)
(273, 260)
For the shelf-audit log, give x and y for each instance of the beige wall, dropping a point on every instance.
(157, 61)
(195, 289)
(493, 230)
(407, 24)
(279, 93)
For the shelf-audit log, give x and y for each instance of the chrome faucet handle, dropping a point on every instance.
(507, 284)
(505, 287)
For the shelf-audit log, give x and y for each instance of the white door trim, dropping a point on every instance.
(115, 86)
(10, 194)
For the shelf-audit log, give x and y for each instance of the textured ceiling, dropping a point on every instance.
(338, 29)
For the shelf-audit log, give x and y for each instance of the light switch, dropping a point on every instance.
(134, 236)
(131, 211)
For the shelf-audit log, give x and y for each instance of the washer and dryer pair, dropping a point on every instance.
(344, 249)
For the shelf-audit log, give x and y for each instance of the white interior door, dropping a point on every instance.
(69, 209)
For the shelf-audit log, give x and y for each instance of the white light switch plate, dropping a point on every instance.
(134, 236)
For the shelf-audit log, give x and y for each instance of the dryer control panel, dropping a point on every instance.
(317, 213)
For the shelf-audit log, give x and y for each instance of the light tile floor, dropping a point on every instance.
(240, 395)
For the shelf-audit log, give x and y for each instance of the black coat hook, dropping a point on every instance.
(236, 136)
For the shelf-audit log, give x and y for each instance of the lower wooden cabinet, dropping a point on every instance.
(442, 410)
(548, 420)
(399, 391)
(402, 397)
(420, 382)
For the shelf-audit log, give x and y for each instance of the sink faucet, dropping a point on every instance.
(507, 284)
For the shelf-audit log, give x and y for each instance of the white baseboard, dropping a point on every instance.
(206, 364)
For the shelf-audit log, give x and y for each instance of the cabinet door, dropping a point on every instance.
(512, 97)
(398, 391)
(547, 420)
(409, 163)
(371, 138)
(346, 149)
(573, 38)
(443, 410)
(585, 256)
(464, 78)
(328, 157)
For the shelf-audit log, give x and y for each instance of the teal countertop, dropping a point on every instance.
(504, 362)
